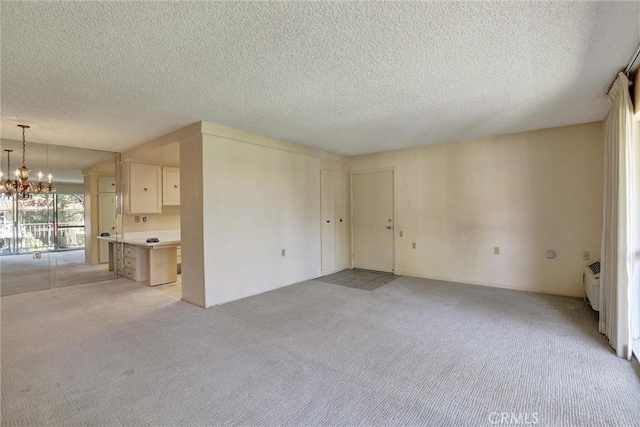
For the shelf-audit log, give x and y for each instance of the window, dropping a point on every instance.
(52, 222)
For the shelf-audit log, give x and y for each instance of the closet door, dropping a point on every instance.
(106, 222)
(333, 206)
(340, 219)
(328, 223)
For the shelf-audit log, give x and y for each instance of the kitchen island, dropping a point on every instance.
(149, 263)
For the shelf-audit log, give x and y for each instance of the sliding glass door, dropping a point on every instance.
(44, 223)
(69, 222)
(8, 231)
(35, 224)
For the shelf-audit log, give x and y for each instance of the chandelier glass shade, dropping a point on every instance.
(21, 187)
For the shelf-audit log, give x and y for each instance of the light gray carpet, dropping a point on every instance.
(413, 352)
(22, 273)
(365, 280)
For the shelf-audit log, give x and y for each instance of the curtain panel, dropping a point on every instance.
(620, 222)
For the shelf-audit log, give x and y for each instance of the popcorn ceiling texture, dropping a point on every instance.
(350, 78)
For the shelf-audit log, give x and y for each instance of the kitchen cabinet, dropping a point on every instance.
(106, 222)
(143, 194)
(149, 263)
(106, 184)
(135, 263)
(170, 186)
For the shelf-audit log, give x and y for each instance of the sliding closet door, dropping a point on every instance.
(328, 223)
(334, 221)
(340, 218)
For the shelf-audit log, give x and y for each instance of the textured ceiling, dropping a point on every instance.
(346, 77)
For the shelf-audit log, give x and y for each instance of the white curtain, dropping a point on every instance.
(619, 243)
(635, 279)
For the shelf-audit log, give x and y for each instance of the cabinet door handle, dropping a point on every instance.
(146, 189)
(328, 222)
(175, 186)
(340, 219)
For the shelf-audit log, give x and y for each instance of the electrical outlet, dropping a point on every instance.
(413, 245)
(144, 219)
(496, 250)
(586, 256)
(551, 254)
(137, 218)
(37, 255)
(400, 233)
(283, 252)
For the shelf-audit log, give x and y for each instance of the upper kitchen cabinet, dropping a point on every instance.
(170, 186)
(107, 184)
(143, 193)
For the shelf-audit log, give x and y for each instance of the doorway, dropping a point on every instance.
(372, 220)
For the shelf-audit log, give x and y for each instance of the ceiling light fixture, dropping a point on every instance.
(21, 187)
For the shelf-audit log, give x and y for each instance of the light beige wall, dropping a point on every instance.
(525, 193)
(169, 219)
(259, 196)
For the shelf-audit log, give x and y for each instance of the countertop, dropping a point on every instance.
(139, 242)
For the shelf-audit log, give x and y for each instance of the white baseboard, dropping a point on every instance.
(490, 285)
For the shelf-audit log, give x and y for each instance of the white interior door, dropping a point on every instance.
(340, 219)
(333, 206)
(372, 198)
(328, 223)
(106, 222)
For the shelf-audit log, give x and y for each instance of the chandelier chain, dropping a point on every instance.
(23, 148)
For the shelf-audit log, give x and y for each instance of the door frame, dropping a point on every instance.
(393, 200)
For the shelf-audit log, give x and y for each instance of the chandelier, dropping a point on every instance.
(21, 187)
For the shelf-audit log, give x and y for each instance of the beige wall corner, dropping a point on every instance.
(191, 221)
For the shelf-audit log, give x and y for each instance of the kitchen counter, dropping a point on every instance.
(150, 263)
(138, 242)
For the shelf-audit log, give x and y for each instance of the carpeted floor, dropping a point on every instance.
(412, 352)
(22, 273)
